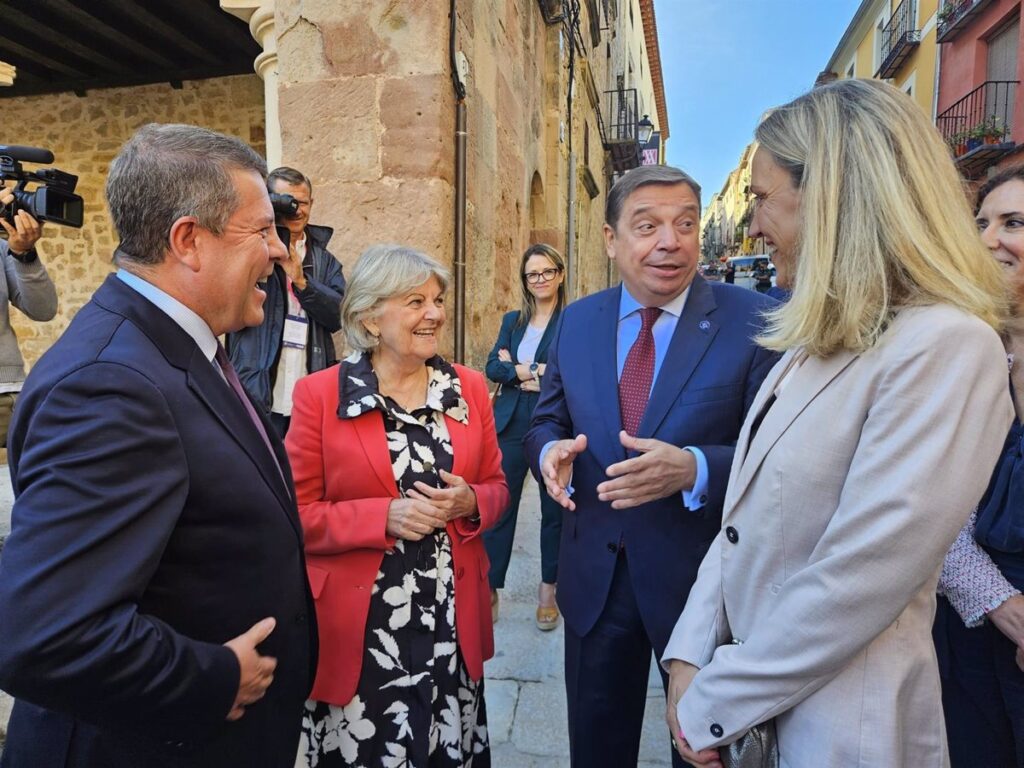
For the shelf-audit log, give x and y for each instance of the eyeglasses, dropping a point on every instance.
(537, 277)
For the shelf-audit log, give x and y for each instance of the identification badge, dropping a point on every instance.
(295, 331)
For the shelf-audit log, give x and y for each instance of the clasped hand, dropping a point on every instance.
(680, 676)
(426, 509)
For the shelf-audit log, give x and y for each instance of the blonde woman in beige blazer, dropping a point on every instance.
(861, 456)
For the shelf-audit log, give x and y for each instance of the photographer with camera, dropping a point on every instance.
(25, 284)
(303, 306)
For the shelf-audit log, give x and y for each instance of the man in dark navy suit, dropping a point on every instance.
(154, 608)
(634, 434)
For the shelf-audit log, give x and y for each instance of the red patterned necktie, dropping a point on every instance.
(638, 373)
(232, 378)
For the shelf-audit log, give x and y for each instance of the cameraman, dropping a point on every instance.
(26, 285)
(302, 309)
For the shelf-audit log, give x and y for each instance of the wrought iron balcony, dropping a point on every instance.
(899, 38)
(955, 15)
(621, 132)
(978, 128)
(553, 11)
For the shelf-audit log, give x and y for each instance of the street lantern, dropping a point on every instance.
(645, 129)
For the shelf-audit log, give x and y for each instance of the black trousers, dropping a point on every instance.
(606, 674)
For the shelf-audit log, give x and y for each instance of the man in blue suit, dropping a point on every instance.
(154, 608)
(634, 435)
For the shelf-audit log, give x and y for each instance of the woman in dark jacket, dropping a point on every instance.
(517, 364)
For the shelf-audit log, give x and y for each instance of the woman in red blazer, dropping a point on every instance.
(397, 471)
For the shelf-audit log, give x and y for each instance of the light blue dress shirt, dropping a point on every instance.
(628, 330)
(190, 322)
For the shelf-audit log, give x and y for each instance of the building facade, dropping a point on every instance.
(468, 140)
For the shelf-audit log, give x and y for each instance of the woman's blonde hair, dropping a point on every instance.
(383, 271)
(885, 219)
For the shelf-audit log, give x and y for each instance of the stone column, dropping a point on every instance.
(259, 14)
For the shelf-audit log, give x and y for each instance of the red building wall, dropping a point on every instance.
(964, 60)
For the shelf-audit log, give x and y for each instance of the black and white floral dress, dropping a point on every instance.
(416, 705)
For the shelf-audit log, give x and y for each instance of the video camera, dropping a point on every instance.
(54, 197)
(285, 206)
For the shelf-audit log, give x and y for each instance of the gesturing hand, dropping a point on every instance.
(412, 519)
(556, 468)
(680, 676)
(457, 500)
(257, 672)
(660, 470)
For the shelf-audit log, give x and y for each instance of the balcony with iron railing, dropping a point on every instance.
(979, 127)
(955, 15)
(621, 134)
(899, 38)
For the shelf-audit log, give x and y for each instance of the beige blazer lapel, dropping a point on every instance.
(814, 374)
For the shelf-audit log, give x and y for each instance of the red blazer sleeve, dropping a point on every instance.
(489, 484)
(329, 527)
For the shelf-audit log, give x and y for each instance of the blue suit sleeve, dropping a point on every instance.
(322, 298)
(498, 371)
(90, 524)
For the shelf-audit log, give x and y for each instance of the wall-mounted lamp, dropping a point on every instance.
(645, 129)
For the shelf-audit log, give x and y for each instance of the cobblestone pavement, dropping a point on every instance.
(524, 684)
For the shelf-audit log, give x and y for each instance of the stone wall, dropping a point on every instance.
(84, 134)
(368, 112)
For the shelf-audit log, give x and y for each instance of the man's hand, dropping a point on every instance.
(556, 468)
(257, 671)
(680, 676)
(25, 232)
(457, 500)
(412, 519)
(293, 267)
(660, 470)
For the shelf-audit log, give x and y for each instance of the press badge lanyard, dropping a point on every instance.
(296, 325)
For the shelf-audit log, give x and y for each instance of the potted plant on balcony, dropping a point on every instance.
(995, 130)
(946, 14)
(976, 136)
(958, 143)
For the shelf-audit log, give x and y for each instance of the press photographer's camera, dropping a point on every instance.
(53, 198)
(285, 206)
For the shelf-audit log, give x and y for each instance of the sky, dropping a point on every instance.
(724, 62)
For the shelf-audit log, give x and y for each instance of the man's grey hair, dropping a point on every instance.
(165, 172)
(632, 180)
(382, 272)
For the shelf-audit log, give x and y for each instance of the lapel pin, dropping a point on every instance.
(704, 325)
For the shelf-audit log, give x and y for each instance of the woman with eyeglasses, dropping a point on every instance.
(517, 365)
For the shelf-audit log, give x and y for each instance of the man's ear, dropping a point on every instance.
(609, 241)
(183, 242)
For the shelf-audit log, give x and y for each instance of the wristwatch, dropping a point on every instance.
(533, 369)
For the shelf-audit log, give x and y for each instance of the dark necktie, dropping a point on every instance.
(638, 373)
(229, 373)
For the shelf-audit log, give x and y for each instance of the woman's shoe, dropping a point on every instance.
(547, 616)
(494, 606)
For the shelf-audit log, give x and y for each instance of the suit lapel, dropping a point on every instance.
(545, 339)
(690, 341)
(458, 434)
(604, 380)
(220, 399)
(374, 440)
(518, 331)
(814, 374)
